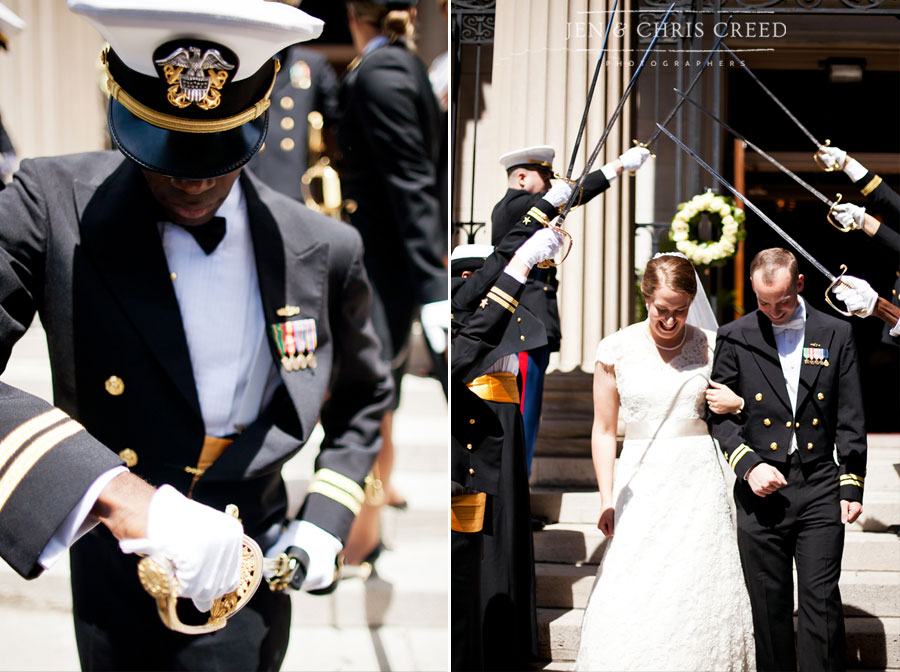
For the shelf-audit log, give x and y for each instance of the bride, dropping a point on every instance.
(669, 592)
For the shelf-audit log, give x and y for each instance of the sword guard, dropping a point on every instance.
(642, 145)
(839, 227)
(819, 163)
(549, 263)
(157, 576)
(837, 281)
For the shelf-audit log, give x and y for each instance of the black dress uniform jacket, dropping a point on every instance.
(829, 399)
(305, 83)
(886, 202)
(389, 140)
(79, 243)
(540, 290)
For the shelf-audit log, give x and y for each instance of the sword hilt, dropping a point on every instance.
(157, 576)
(642, 145)
(291, 568)
(821, 165)
(839, 227)
(837, 281)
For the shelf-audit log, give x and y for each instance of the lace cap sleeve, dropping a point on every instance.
(608, 349)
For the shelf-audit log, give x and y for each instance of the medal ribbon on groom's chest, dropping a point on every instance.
(296, 340)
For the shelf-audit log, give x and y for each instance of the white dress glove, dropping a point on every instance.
(832, 158)
(559, 193)
(634, 158)
(542, 245)
(203, 544)
(849, 215)
(435, 319)
(859, 297)
(321, 547)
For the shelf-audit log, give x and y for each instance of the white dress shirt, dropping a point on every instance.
(790, 350)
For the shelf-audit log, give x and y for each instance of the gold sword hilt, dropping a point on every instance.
(157, 576)
(839, 227)
(819, 162)
(837, 281)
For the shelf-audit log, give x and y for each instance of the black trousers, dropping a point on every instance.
(117, 626)
(466, 651)
(801, 522)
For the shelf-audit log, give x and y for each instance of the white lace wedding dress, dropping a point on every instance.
(669, 592)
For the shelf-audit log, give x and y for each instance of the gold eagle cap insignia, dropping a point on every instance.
(196, 77)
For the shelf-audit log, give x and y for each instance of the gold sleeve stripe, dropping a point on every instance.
(26, 431)
(742, 450)
(871, 186)
(335, 493)
(503, 294)
(539, 215)
(499, 299)
(852, 479)
(30, 456)
(348, 485)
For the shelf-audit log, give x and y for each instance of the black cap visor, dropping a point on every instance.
(185, 155)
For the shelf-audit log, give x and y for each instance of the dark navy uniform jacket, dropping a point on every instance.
(80, 245)
(829, 399)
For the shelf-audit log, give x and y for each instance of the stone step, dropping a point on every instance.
(570, 543)
(863, 593)
(576, 472)
(872, 643)
(881, 510)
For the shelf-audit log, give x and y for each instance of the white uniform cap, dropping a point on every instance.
(10, 24)
(475, 251)
(537, 156)
(253, 29)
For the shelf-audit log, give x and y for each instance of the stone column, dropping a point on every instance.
(544, 56)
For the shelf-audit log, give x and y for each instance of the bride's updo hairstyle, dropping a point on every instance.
(673, 271)
(392, 23)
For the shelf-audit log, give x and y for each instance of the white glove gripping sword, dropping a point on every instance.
(157, 576)
(777, 229)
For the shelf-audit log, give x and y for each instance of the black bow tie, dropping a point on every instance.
(208, 235)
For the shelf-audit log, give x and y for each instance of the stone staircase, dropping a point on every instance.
(569, 548)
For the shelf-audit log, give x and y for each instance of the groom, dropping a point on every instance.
(796, 369)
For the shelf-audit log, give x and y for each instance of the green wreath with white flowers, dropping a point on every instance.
(723, 215)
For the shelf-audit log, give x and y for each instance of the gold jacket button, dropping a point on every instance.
(518, 319)
(815, 422)
(788, 424)
(287, 124)
(820, 396)
(287, 144)
(767, 422)
(114, 386)
(809, 446)
(468, 446)
(796, 424)
(287, 103)
(773, 446)
(129, 456)
(521, 338)
(758, 396)
(471, 471)
(545, 288)
(471, 421)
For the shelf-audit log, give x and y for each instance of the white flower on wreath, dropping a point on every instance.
(704, 253)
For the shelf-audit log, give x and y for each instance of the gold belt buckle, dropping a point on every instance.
(157, 576)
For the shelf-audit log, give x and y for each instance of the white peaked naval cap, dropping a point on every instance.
(539, 155)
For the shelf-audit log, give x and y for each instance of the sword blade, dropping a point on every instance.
(590, 96)
(815, 192)
(576, 192)
(773, 97)
(777, 229)
(693, 82)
